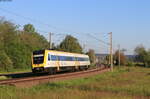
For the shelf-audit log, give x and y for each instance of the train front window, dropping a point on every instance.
(38, 59)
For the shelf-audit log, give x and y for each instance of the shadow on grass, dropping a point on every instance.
(23, 75)
(28, 74)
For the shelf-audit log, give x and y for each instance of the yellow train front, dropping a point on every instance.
(52, 61)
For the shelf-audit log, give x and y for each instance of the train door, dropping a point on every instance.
(77, 63)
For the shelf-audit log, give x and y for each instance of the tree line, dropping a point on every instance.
(141, 57)
(16, 45)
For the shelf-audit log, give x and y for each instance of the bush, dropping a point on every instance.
(5, 62)
(130, 63)
(17, 46)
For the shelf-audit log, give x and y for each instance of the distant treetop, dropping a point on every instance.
(29, 28)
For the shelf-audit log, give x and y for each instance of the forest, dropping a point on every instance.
(17, 45)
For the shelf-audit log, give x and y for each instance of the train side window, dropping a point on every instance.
(49, 57)
(64, 58)
(68, 58)
(82, 59)
(76, 59)
(61, 58)
(87, 59)
(73, 58)
(53, 58)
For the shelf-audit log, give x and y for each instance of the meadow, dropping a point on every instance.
(12, 72)
(15, 71)
(123, 83)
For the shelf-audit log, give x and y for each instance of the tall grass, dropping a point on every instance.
(123, 83)
(15, 70)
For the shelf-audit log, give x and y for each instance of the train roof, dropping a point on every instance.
(55, 51)
(65, 52)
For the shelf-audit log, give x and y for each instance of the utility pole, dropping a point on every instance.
(109, 56)
(119, 55)
(111, 52)
(50, 45)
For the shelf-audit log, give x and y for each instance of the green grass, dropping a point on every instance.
(3, 77)
(12, 71)
(123, 83)
(15, 71)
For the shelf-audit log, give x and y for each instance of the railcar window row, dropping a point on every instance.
(82, 59)
(66, 58)
(54, 57)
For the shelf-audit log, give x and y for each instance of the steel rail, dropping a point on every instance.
(49, 78)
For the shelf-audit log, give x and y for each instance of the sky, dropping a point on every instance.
(128, 20)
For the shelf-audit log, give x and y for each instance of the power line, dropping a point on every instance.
(45, 24)
(98, 39)
(33, 20)
(27, 18)
(43, 31)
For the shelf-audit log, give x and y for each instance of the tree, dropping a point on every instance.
(122, 58)
(31, 42)
(29, 28)
(10, 42)
(140, 51)
(70, 44)
(17, 46)
(142, 55)
(92, 56)
(5, 62)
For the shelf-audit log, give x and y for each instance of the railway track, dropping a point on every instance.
(31, 81)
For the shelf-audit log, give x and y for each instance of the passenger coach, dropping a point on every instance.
(52, 61)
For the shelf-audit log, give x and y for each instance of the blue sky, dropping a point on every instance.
(129, 20)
